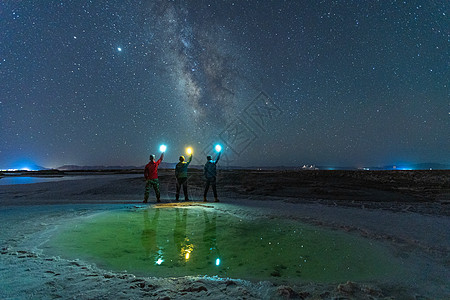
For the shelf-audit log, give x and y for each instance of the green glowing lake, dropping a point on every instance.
(177, 241)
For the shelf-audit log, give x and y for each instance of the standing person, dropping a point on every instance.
(181, 174)
(210, 176)
(151, 176)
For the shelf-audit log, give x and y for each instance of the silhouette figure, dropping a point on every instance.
(210, 172)
(181, 174)
(151, 177)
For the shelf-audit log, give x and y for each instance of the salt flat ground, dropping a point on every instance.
(406, 210)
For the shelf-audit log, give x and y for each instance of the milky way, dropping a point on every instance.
(200, 59)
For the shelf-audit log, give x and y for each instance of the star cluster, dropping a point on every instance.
(106, 82)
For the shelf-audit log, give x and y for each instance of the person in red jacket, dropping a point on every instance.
(151, 176)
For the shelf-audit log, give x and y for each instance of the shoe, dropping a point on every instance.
(216, 200)
(204, 199)
(157, 200)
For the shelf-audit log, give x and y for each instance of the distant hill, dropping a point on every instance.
(77, 168)
(422, 166)
(36, 167)
(427, 166)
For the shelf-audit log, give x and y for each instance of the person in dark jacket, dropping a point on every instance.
(151, 176)
(181, 174)
(210, 173)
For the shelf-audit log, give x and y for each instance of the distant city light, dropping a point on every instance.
(24, 165)
(163, 148)
(402, 168)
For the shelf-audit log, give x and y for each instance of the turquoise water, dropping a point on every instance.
(27, 180)
(13, 180)
(172, 242)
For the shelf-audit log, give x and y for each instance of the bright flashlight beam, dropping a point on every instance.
(163, 148)
(218, 148)
(189, 150)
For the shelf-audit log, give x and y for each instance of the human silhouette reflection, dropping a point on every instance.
(148, 237)
(183, 246)
(210, 239)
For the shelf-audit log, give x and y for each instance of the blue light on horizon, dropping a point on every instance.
(24, 165)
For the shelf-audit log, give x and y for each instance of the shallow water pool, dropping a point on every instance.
(177, 241)
(13, 180)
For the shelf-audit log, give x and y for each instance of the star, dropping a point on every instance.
(364, 74)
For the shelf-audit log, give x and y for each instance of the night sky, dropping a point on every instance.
(340, 83)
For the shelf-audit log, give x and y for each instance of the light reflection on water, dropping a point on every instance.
(167, 242)
(28, 179)
(13, 180)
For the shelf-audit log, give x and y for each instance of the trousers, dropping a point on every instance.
(182, 182)
(152, 183)
(210, 181)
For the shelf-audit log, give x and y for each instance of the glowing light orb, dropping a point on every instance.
(163, 148)
(217, 261)
(119, 49)
(159, 261)
(189, 150)
(218, 148)
(24, 165)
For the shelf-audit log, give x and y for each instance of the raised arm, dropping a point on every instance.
(161, 158)
(218, 157)
(190, 159)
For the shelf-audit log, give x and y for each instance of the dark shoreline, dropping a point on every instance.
(425, 192)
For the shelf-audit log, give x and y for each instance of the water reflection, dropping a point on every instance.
(13, 180)
(182, 243)
(199, 252)
(148, 238)
(210, 239)
(177, 241)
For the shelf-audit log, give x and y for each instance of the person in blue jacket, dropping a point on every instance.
(210, 173)
(181, 170)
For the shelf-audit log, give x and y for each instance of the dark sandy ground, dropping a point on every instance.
(424, 192)
(406, 209)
